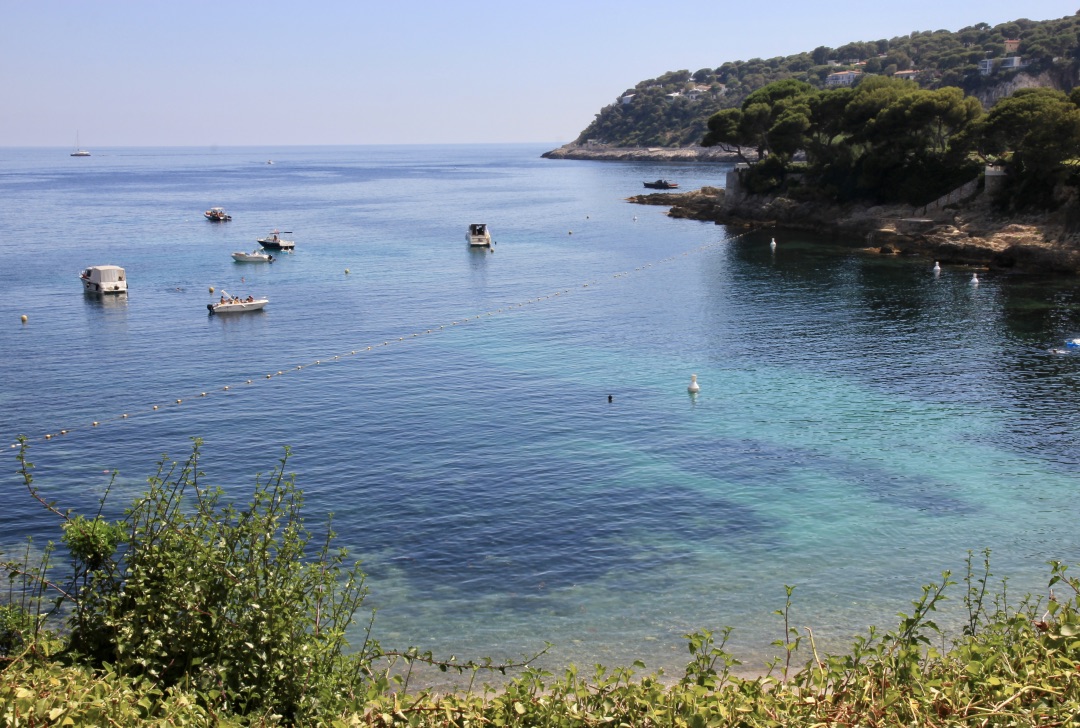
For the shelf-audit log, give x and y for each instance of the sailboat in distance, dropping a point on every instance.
(79, 152)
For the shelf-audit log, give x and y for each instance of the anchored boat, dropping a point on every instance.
(255, 256)
(479, 235)
(273, 241)
(79, 151)
(217, 214)
(104, 279)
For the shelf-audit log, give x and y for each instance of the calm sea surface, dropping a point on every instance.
(861, 425)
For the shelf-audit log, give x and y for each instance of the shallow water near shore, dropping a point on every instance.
(862, 423)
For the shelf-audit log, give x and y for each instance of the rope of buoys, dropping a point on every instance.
(337, 357)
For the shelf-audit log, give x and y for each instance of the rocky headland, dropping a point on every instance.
(961, 230)
(603, 152)
(968, 232)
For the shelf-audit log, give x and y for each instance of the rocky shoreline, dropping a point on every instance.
(963, 234)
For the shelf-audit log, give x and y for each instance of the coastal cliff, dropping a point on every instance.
(967, 234)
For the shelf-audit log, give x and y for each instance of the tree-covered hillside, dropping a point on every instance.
(887, 140)
(673, 109)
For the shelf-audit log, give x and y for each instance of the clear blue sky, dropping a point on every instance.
(181, 72)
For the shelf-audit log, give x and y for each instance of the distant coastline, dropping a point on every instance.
(603, 152)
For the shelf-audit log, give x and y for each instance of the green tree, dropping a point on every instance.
(1035, 130)
(772, 120)
(917, 143)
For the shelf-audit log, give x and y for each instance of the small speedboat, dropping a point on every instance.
(230, 304)
(217, 214)
(104, 279)
(255, 256)
(274, 241)
(479, 235)
(662, 184)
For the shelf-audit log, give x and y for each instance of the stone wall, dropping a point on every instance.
(961, 194)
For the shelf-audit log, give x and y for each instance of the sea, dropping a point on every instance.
(505, 438)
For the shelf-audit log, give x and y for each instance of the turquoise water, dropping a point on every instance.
(862, 423)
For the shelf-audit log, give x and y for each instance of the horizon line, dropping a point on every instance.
(281, 146)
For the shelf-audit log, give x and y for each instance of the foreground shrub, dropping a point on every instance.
(229, 603)
(51, 694)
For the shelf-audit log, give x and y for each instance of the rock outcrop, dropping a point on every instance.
(970, 234)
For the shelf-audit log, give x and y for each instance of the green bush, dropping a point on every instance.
(34, 694)
(230, 603)
(14, 627)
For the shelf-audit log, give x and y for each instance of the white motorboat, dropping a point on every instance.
(479, 235)
(217, 214)
(231, 304)
(255, 256)
(104, 279)
(274, 241)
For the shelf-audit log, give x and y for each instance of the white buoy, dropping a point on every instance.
(937, 267)
(772, 245)
(974, 279)
(694, 387)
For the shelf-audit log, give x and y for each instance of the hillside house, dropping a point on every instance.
(1012, 45)
(697, 92)
(843, 78)
(1012, 63)
(909, 74)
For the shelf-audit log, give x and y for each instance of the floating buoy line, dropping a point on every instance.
(373, 348)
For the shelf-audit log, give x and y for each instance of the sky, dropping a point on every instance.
(277, 73)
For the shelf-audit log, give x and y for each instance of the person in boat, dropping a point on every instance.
(251, 299)
(223, 298)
